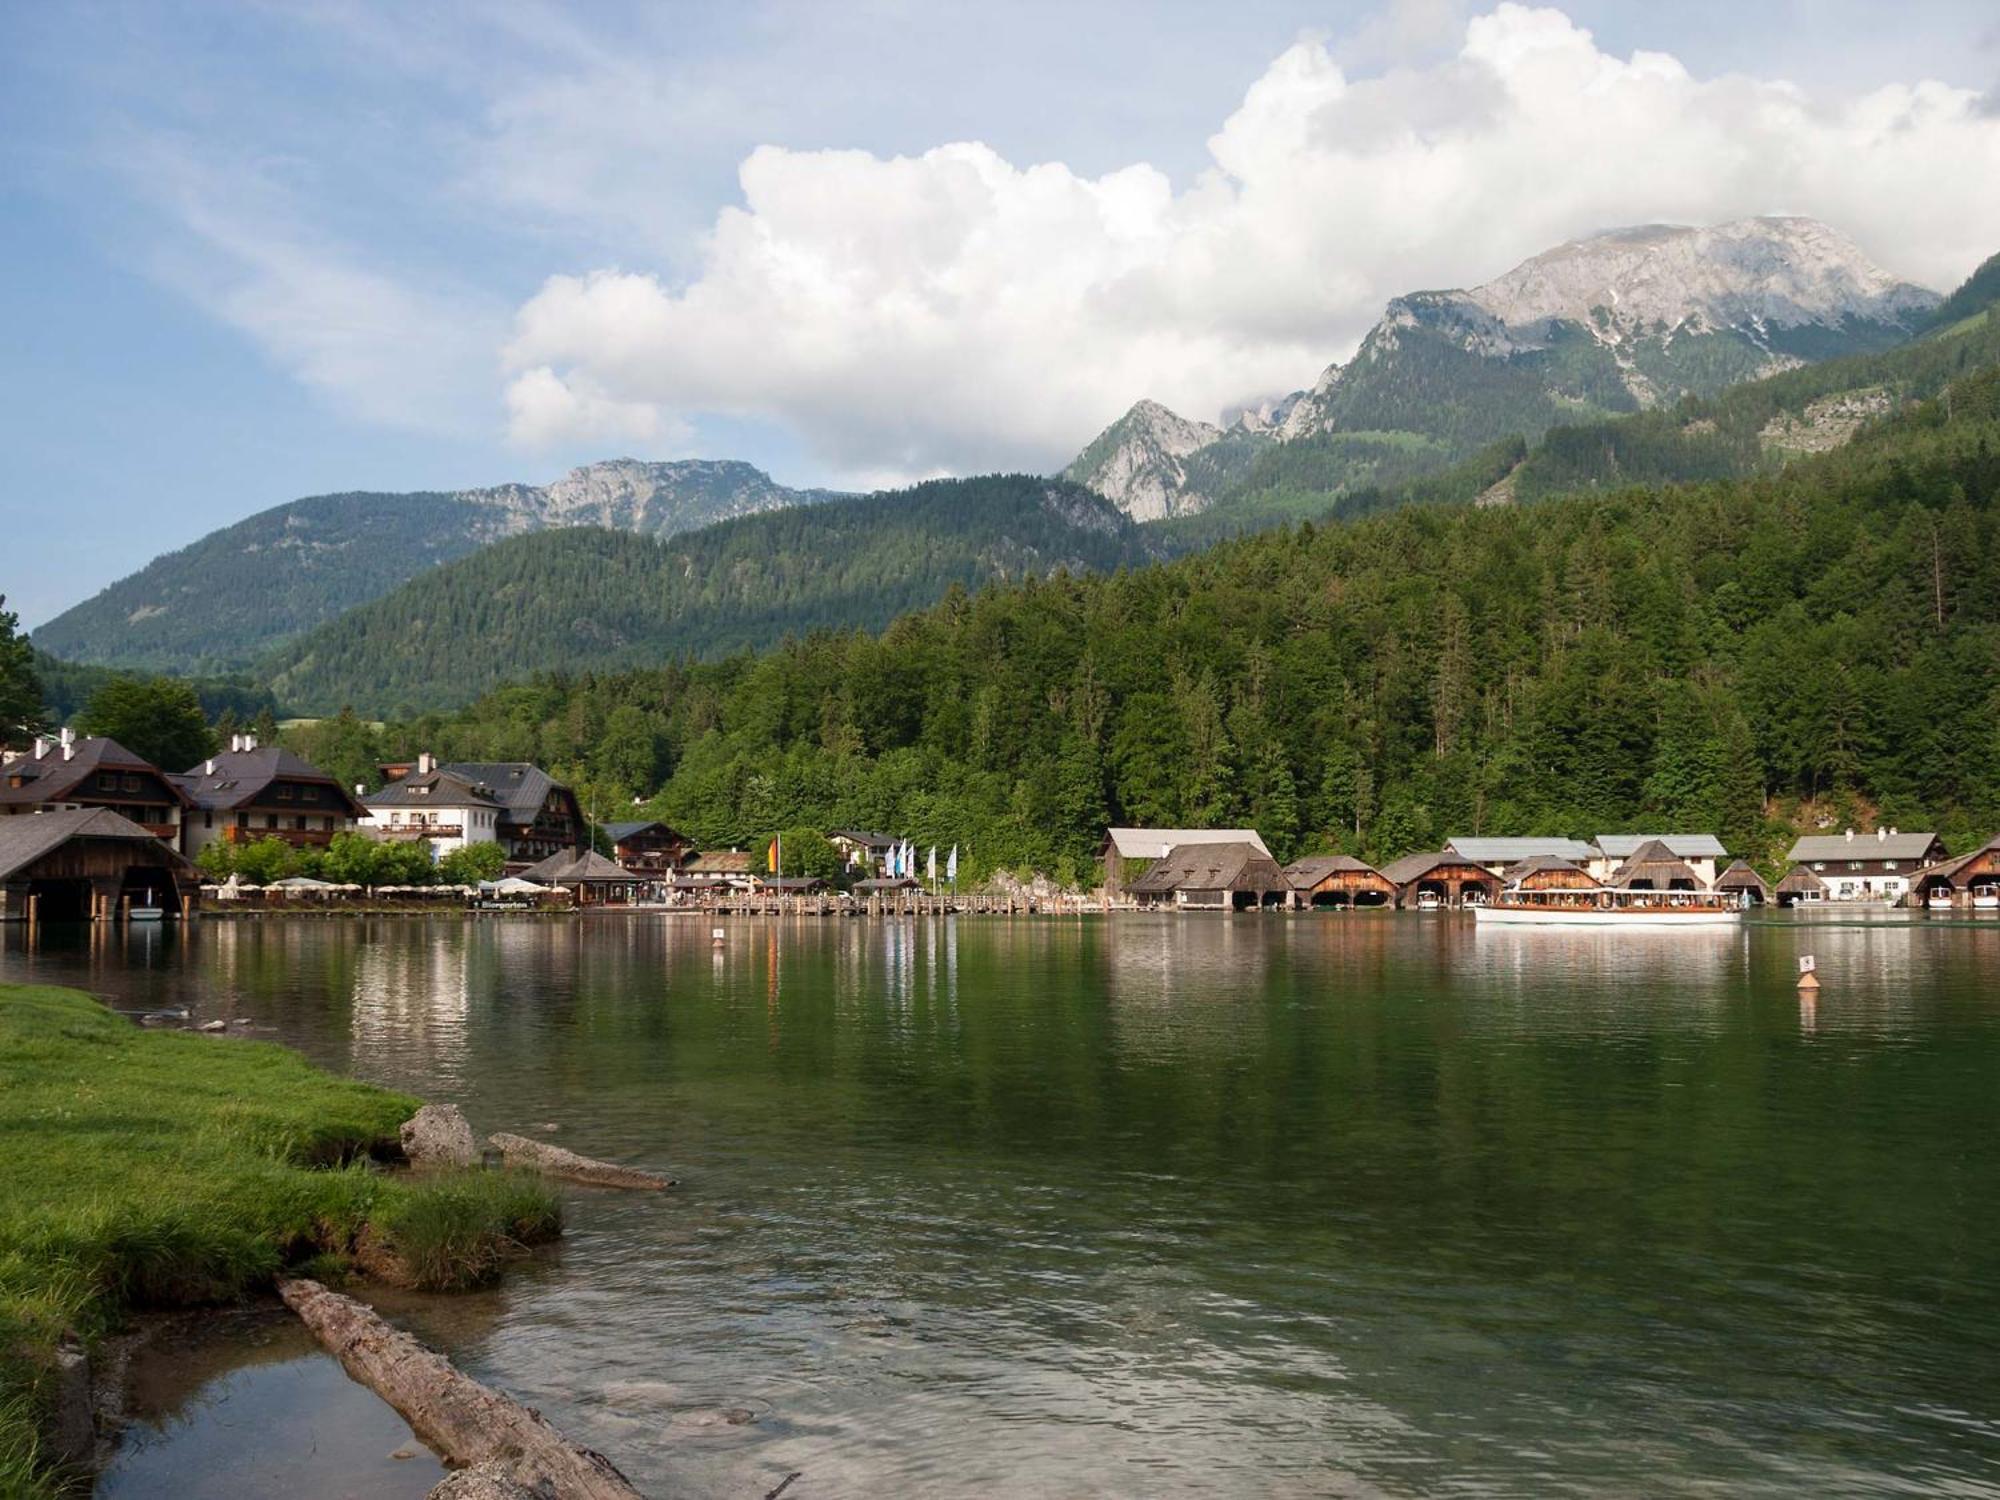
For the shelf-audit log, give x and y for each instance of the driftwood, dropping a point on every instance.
(519, 1151)
(468, 1424)
(487, 1482)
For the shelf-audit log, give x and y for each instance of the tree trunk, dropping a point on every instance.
(465, 1422)
(519, 1151)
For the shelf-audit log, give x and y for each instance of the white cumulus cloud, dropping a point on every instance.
(955, 311)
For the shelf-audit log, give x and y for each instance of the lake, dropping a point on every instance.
(1371, 1204)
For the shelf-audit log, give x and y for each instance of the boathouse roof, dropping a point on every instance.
(1741, 877)
(1881, 844)
(1680, 845)
(1508, 851)
(588, 868)
(1306, 873)
(1237, 865)
(28, 838)
(1157, 843)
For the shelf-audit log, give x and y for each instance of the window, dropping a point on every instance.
(308, 794)
(1888, 864)
(208, 820)
(284, 793)
(107, 782)
(1819, 864)
(1854, 864)
(133, 783)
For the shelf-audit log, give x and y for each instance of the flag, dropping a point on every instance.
(771, 857)
(930, 870)
(951, 866)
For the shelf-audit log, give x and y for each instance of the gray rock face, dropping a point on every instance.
(438, 1135)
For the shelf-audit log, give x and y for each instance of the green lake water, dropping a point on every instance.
(1376, 1204)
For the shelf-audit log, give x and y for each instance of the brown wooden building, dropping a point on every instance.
(1338, 880)
(1970, 878)
(252, 792)
(89, 864)
(1448, 879)
(648, 848)
(1237, 876)
(1741, 881)
(60, 774)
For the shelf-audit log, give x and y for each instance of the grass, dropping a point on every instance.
(157, 1169)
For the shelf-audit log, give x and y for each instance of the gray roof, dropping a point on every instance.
(1653, 861)
(522, 788)
(1680, 845)
(1155, 843)
(588, 868)
(619, 832)
(865, 839)
(1236, 866)
(886, 883)
(1740, 877)
(1799, 878)
(50, 778)
(439, 788)
(1543, 864)
(1509, 851)
(27, 837)
(237, 777)
(1862, 846)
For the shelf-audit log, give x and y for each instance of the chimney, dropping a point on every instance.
(360, 789)
(68, 743)
(41, 746)
(208, 766)
(1892, 830)
(250, 740)
(1850, 835)
(1881, 835)
(426, 763)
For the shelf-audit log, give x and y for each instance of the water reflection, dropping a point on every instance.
(1272, 1204)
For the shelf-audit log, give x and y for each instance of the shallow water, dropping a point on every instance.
(1372, 1204)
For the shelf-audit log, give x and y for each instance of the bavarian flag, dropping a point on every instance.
(771, 857)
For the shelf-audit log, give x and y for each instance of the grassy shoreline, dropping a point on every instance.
(163, 1169)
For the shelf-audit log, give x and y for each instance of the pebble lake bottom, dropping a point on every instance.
(1378, 1204)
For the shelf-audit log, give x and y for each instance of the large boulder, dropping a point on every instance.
(438, 1135)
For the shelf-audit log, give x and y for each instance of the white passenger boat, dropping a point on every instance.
(1939, 900)
(1986, 898)
(1610, 907)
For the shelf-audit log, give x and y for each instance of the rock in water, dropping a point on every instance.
(438, 1135)
(519, 1151)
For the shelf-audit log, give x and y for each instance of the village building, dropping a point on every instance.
(649, 848)
(1443, 880)
(1653, 867)
(521, 807)
(436, 807)
(589, 876)
(1700, 852)
(1499, 856)
(1338, 880)
(884, 885)
(1128, 853)
(253, 791)
(1236, 875)
(1799, 887)
(718, 870)
(1971, 880)
(860, 850)
(90, 864)
(67, 773)
(1741, 881)
(1874, 866)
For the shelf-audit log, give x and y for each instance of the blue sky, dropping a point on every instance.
(255, 251)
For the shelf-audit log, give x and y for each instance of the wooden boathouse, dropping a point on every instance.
(1338, 881)
(89, 864)
(1444, 878)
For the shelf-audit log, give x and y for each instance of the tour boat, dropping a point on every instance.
(1429, 901)
(1939, 899)
(1611, 907)
(1986, 898)
(146, 911)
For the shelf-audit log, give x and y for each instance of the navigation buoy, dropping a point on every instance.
(1808, 975)
(715, 936)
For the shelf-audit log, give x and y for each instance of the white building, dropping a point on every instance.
(444, 810)
(1874, 866)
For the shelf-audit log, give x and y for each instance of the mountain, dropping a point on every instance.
(1746, 656)
(224, 601)
(1628, 320)
(1153, 464)
(585, 598)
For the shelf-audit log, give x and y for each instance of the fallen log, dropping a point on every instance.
(466, 1423)
(519, 1151)
(487, 1482)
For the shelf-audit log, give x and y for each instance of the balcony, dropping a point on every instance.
(298, 838)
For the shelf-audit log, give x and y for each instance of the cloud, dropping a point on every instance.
(954, 310)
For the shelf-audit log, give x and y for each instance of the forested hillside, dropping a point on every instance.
(1693, 658)
(600, 599)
